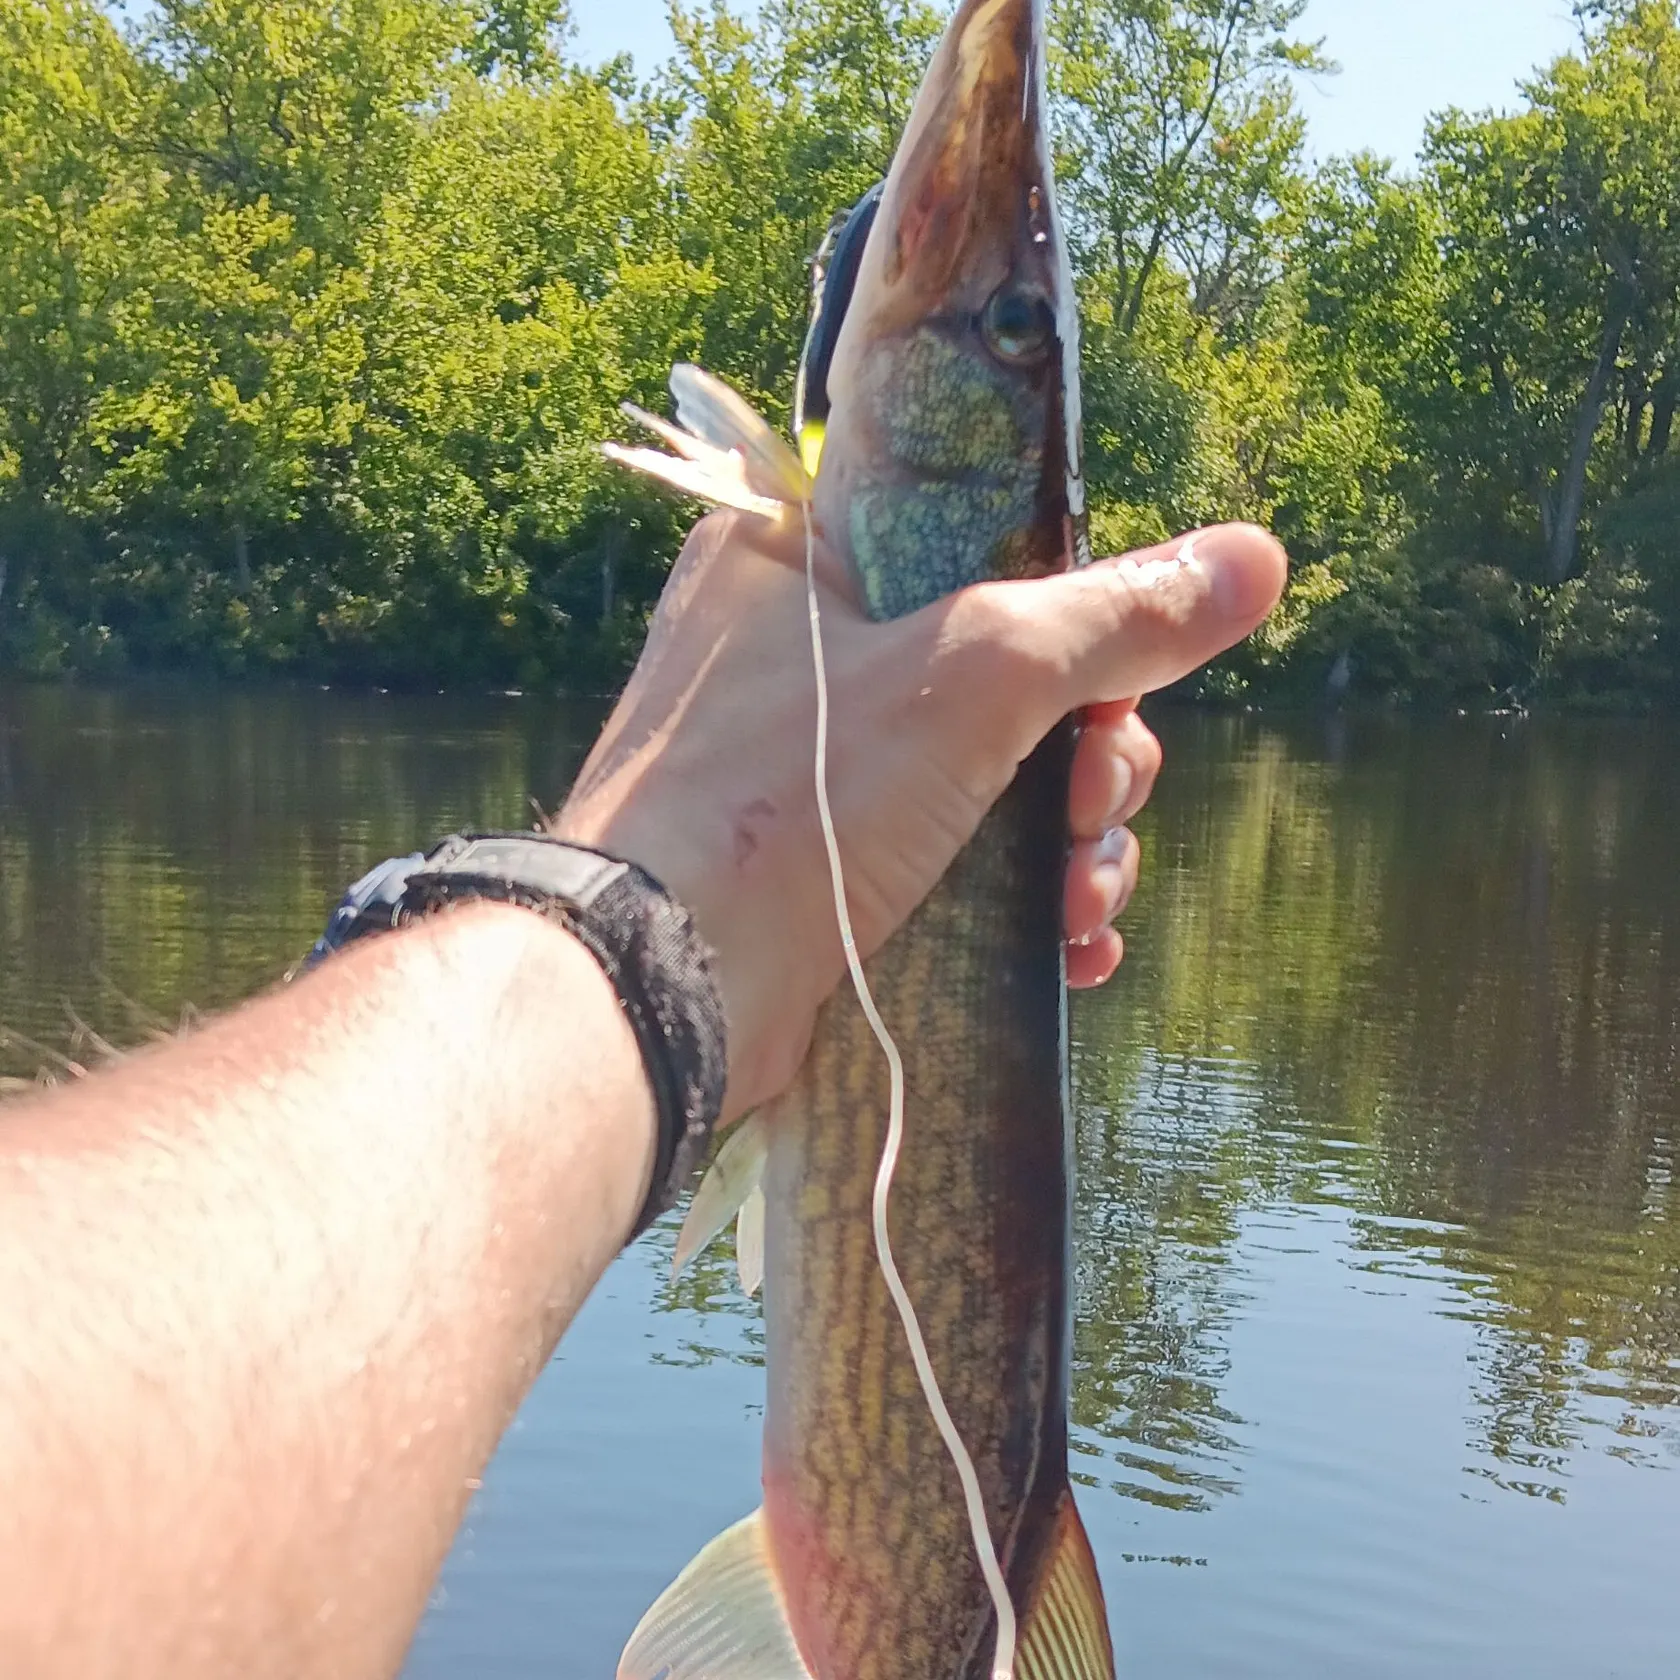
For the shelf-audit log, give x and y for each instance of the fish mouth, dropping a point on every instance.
(968, 203)
(952, 446)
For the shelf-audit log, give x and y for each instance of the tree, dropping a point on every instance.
(1179, 133)
(312, 319)
(769, 129)
(1562, 264)
(69, 204)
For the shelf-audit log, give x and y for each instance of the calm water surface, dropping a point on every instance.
(1378, 1363)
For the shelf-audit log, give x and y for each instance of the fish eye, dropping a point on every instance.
(1018, 324)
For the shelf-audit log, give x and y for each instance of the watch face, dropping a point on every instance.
(369, 906)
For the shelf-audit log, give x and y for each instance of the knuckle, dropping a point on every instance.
(989, 616)
(1117, 596)
(706, 537)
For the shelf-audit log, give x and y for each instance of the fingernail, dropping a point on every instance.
(1113, 846)
(1108, 872)
(1244, 568)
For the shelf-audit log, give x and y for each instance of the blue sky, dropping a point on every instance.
(1401, 59)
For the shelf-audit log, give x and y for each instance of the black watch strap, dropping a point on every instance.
(644, 940)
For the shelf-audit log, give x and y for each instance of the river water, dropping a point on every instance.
(1378, 1354)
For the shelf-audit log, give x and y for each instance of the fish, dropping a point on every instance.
(939, 407)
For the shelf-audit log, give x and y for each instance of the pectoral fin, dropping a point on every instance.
(749, 1241)
(726, 451)
(1064, 1635)
(735, 1173)
(723, 1618)
(716, 478)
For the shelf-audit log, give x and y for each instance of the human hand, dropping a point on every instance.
(703, 773)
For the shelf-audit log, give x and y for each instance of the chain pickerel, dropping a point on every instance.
(939, 413)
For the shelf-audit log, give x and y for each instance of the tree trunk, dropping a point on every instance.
(1134, 303)
(1122, 275)
(1662, 413)
(1546, 503)
(1633, 422)
(609, 575)
(1572, 491)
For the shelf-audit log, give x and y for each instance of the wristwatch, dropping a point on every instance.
(644, 940)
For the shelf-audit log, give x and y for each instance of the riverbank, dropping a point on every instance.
(313, 380)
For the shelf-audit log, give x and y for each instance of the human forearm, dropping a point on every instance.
(301, 1269)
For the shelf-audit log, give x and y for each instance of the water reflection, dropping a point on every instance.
(1378, 1214)
(162, 848)
(1438, 985)
(1428, 976)
(1155, 1288)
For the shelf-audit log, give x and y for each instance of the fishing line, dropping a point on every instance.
(1003, 1656)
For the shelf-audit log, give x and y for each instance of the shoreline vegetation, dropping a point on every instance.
(313, 314)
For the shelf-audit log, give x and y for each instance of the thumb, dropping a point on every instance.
(1124, 627)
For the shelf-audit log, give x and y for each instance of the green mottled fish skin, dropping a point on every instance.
(963, 494)
(950, 459)
(864, 1512)
(943, 466)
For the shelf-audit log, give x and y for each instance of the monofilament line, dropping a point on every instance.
(1003, 1657)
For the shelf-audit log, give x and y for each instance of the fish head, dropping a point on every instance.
(952, 444)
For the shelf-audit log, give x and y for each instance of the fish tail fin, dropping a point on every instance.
(1064, 1634)
(723, 1618)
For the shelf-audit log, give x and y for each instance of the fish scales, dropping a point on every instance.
(947, 437)
(861, 1498)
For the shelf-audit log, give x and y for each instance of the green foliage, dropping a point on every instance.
(312, 319)
(1562, 273)
(1180, 141)
(1598, 634)
(1417, 624)
(362, 319)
